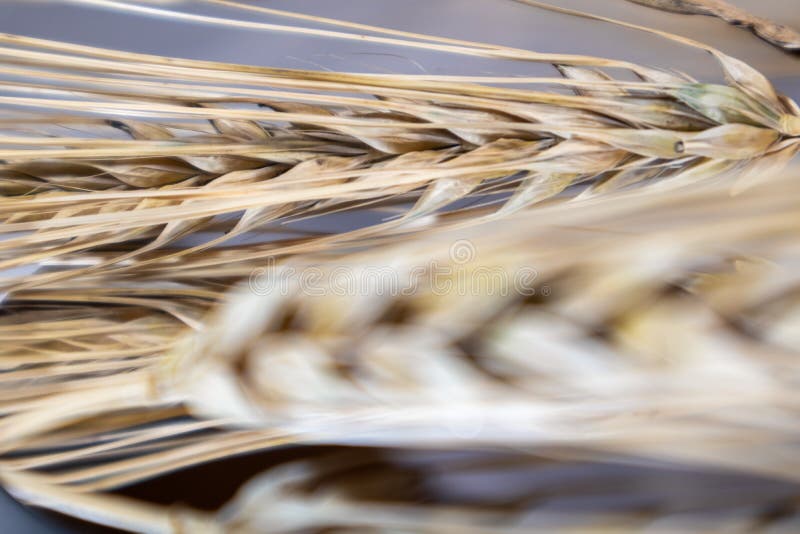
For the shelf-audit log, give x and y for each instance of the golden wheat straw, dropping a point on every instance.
(668, 379)
(426, 141)
(661, 328)
(772, 32)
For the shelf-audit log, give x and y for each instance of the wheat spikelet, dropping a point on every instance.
(299, 149)
(653, 327)
(632, 353)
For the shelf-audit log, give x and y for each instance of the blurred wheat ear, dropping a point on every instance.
(658, 330)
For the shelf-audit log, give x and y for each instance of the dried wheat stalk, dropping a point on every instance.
(66, 338)
(298, 149)
(668, 335)
(97, 394)
(390, 490)
(772, 32)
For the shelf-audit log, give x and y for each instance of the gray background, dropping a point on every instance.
(498, 21)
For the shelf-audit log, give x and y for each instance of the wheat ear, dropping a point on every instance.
(651, 327)
(298, 150)
(422, 368)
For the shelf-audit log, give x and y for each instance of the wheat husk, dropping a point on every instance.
(668, 381)
(658, 329)
(166, 148)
